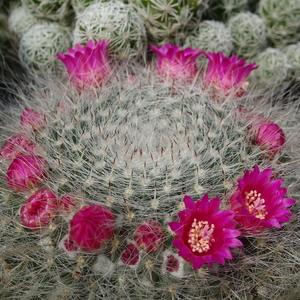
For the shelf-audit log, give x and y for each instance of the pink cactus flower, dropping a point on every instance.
(270, 137)
(26, 172)
(227, 74)
(176, 64)
(92, 227)
(258, 201)
(87, 65)
(18, 145)
(69, 244)
(32, 120)
(39, 210)
(131, 255)
(68, 203)
(203, 233)
(148, 236)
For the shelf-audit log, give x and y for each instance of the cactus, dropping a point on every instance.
(293, 55)
(100, 221)
(274, 70)
(282, 20)
(169, 21)
(211, 36)
(248, 32)
(40, 44)
(115, 21)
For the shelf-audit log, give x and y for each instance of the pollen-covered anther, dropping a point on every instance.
(255, 204)
(200, 236)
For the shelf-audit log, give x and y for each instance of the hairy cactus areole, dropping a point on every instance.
(92, 226)
(226, 74)
(176, 64)
(203, 233)
(26, 172)
(87, 65)
(39, 210)
(258, 201)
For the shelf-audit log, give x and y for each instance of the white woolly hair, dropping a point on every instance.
(137, 145)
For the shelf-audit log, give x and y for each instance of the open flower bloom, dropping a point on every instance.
(26, 172)
(87, 65)
(148, 236)
(176, 64)
(92, 227)
(258, 201)
(227, 74)
(203, 233)
(39, 210)
(17, 145)
(32, 120)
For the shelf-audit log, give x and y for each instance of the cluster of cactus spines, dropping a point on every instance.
(115, 21)
(93, 178)
(41, 43)
(169, 21)
(282, 20)
(21, 20)
(52, 10)
(274, 70)
(248, 33)
(211, 36)
(293, 54)
(224, 9)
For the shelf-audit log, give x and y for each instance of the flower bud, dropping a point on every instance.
(92, 227)
(39, 210)
(130, 256)
(149, 236)
(68, 203)
(32, 120)
(270, 137)
(25, 173)
(17, 145)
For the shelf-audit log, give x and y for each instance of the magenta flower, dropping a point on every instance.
(92, 227)
(26, 172)
(148, 236)
(258, 201)
(17, 145)
(87, 65)
(39, 210)
(270, 137)
(32, 120)
(227, 73)
(131, 255)
(176, 64)
(203, 233)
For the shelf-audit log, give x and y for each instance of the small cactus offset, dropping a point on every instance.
(169, 181)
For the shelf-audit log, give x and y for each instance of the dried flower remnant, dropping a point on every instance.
(148, 236)
(26, 172)
(258, 201)
(176, 64)
(203, 233)
(87, 65)
(227, 74)
(39, 210)
(92, 226)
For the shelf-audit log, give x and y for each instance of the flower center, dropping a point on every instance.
(200, 236)
(255, 204)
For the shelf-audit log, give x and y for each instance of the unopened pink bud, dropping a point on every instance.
(17, 145)
(26, 172)
(70, 245)
(92, 227)
(148, 236)
(32, 120)
(270, 137)
(39, 210)
(69, 203)
(130, 256)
